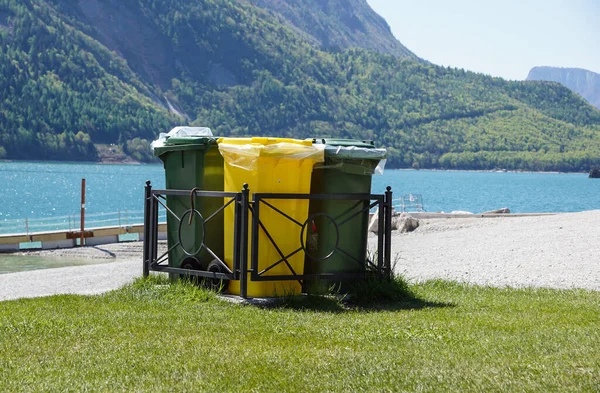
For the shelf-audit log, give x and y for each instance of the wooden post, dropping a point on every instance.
(82, 211)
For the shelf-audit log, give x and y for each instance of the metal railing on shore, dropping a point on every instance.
(120, 218)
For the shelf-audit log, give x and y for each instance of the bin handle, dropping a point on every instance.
(192, 203)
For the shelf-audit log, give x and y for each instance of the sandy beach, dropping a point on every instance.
(555, 251)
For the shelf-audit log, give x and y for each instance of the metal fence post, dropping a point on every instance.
(154, 244)
(147, 196)
(237, 249)
(255, 232)
(388, 231)
(381, 237)
(243, 236)
(82, 238)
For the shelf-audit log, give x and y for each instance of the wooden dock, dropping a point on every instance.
(67, 239)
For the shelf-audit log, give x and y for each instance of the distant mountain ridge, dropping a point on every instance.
(339, 24)
(583, 82)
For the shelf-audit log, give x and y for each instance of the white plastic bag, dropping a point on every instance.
(181, 131)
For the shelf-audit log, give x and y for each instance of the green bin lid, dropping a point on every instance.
(191, 140)
(345, 142)
(351, 149)
(180, 143)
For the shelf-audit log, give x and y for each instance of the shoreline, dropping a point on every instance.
(131, 161)
(100, 162)
(485, 171)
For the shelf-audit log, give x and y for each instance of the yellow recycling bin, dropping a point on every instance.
(270, 165)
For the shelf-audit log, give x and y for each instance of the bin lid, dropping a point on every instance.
(345, 142)
(191, 140)
(179, 143)
(351, 149)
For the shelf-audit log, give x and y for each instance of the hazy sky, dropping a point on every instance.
(501, 38)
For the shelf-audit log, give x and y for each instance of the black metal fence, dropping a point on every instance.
(247, 220)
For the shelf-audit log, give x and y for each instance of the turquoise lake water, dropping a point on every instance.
(35, 190)
(43, 189)
(482, 191)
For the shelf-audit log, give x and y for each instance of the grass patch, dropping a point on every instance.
(158, 336)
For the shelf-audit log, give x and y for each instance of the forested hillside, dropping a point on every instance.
(63, 91)
(81, 72)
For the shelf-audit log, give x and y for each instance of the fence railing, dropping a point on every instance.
(282, 253)
(409, 203)
(72, 222)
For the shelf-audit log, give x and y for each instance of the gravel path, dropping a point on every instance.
(119, 264)
(558, 251)
(81, 280)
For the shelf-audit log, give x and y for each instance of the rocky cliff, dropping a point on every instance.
(338, 24)
(583, 82)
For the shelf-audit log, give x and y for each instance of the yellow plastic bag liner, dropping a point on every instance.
(247, 156)
(271, 165)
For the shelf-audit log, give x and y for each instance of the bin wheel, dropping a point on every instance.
(216, 284)
(190, 264)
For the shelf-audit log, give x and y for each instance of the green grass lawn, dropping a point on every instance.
(443, 337)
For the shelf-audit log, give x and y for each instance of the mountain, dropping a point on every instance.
(338, 24)
(583, 82)
(80, 74)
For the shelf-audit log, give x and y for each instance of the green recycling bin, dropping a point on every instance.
(338, 231)
(193, 162)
